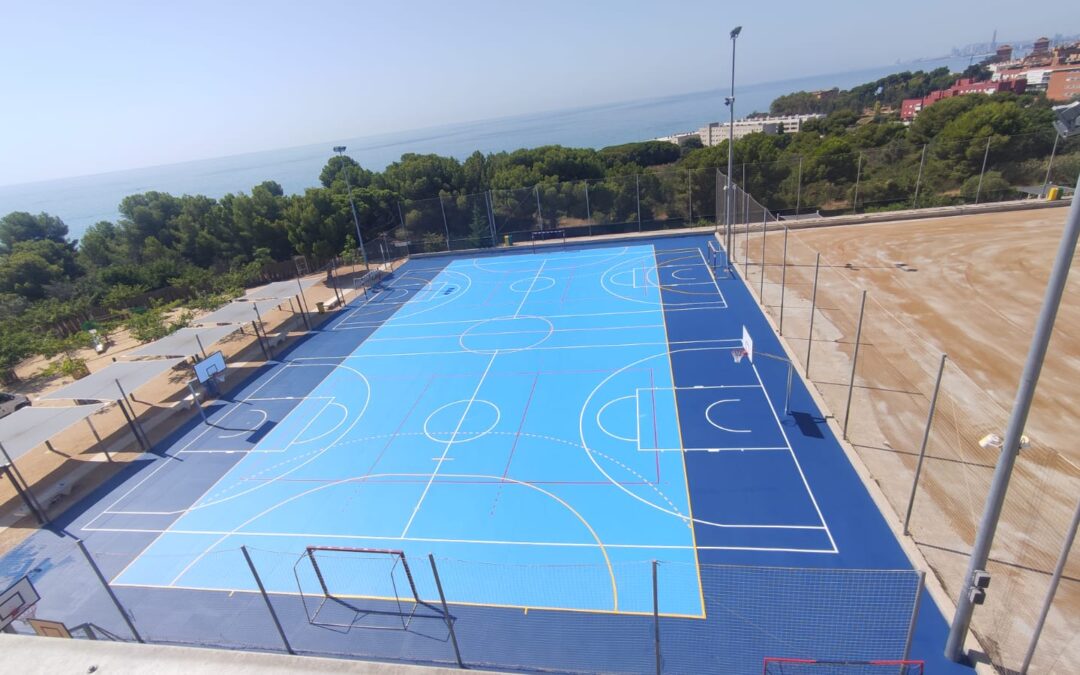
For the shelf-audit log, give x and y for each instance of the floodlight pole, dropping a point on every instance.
(340, 150)
(1010, 447)
(731, 139)
(1049, 167)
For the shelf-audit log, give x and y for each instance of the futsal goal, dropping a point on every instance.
(357, 587)
(788, 666)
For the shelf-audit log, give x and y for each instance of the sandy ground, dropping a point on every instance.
(969, 286)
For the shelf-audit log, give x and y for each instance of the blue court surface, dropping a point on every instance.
(574, 409)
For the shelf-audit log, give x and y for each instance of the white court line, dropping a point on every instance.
(795, 459)
(515, 332)
(450, 443)
(597, 346)
(712, 275)
(532, 284)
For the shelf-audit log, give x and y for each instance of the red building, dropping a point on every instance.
(911, 106)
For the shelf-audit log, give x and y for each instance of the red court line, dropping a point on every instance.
(521, 425)
(655, 433)
(566, 290)
(391, 440)
(451, 481)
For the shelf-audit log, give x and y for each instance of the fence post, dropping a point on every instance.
(925, 440)
(491, 217)
(798, 190)
(858, 177)
(303, 312)
(1052, 590)
(539, 211)
(446, 610)
(689, 199)
(637, 198)
(446, 226)
(914, 615)
(783, 281)
(1050, 166)
(918, 180)
(266, 599)
(986, 156)
(656, 617)
(813, 306)
(761, 284)
(854, 363)
(401, 219)
(109, 590)
(588, 208)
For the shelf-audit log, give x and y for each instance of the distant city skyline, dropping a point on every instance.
(125, 84)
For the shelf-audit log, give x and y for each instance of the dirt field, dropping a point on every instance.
(971, 287)
(976, 295)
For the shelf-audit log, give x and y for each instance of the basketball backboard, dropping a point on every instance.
(18, 598)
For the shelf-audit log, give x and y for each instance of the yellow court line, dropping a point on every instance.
(686, 474)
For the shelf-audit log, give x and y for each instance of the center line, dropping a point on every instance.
(449, 443)
(523, 300)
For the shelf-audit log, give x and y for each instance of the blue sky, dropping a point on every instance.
(98, 86)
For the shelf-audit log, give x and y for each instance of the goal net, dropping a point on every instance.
(785, 666)
(356, 587)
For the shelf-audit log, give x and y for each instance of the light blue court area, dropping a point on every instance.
(516, 410)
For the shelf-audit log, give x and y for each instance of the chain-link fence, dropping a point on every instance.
(879, 375)
(625, 617)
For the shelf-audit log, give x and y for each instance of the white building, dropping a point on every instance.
(716, 132)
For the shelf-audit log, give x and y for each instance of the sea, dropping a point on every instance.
(84, 200)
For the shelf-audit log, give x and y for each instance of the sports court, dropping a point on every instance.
(550, 421)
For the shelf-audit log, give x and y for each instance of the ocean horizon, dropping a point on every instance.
(84, 200)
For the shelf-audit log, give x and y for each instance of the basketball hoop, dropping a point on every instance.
(738, 354)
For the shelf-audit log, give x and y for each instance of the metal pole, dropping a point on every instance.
(986, 156)
(761, 284)
(813, 306)
(266, 599)
(637, 197)
(1011, 445)
(798, 190)
(918, 180)
(1055, 579)
(914, 615)
(262, 346)
(131, 423)
(491, 217)
(134, 418)
(17, 476)
(23, 494)
(195, 402)
(302, 312)
(854, 363)
(109, 590)
(731, 137)
(356, 219)
(202, 349)
(401, 219)
(746, 228)
(258, 317)
(787, 393)
(689, 199)
(539, 211)
(656, 618)
(783, 281)
(858, 177)
(588, 208)
(446, 610)
(925, 441)
(446, 226)
(1049, 167)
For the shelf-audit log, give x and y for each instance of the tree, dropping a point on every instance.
(340, 167)
(22, 226)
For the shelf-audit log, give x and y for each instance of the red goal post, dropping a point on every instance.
(790, 666)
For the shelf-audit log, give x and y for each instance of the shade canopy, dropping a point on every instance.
(185, 341)
(27, 428)
(280, 290)
(101, 386)
(239, 312)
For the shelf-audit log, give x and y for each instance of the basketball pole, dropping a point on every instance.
(1010, 447)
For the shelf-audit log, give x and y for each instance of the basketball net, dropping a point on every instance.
(738, 354)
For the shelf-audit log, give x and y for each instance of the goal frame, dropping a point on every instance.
(406, 614)
(904, 666)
